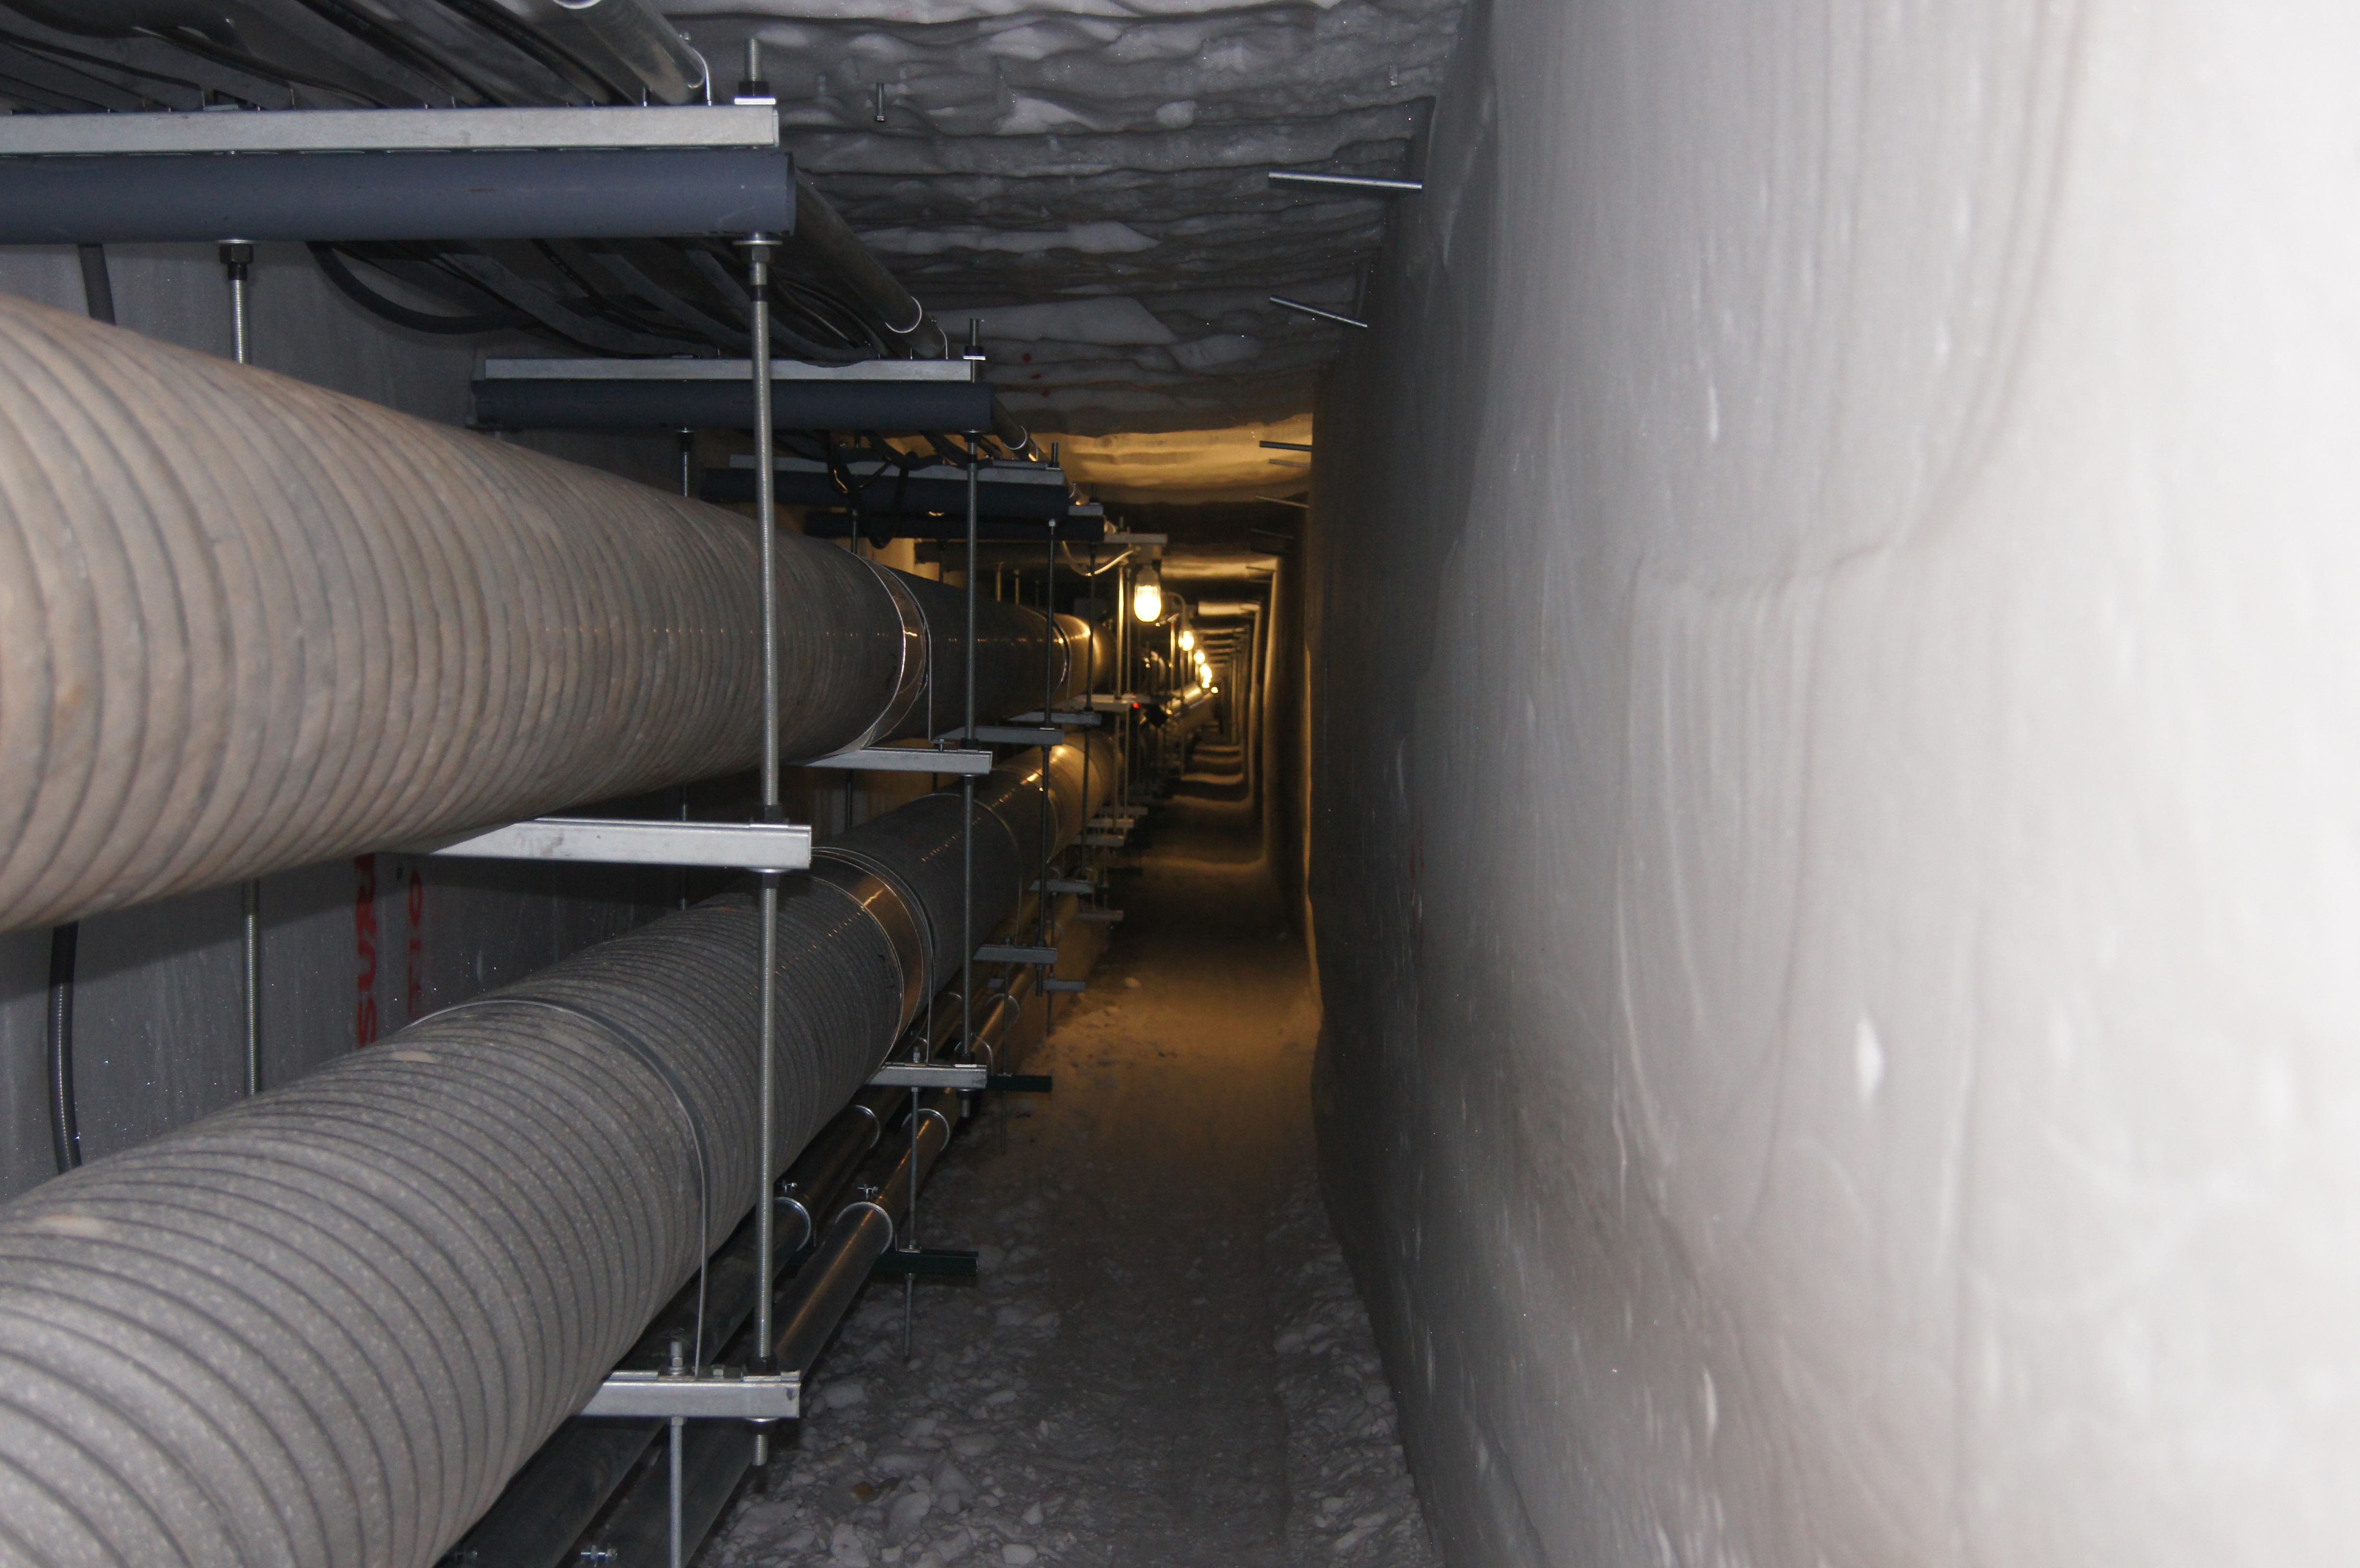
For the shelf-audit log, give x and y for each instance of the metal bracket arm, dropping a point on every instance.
(1011, 735)
(1063, 717)
(906, 760)
(1007, 953)
(751, 846)
(930, 1075)
(721, 1395)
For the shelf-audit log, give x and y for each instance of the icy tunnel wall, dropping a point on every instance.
(1836, 809)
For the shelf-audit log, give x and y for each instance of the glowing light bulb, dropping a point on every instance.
(1188, 641)
(1147, 600)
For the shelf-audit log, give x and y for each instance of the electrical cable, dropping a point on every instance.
(97, 288)
(43, 47)
(332, 265)
(393, 45)
(65, 1127)
(542, 50)
(254, 65)
(65, 941)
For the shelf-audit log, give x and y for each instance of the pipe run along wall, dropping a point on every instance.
(246, 624)
(323, 1328)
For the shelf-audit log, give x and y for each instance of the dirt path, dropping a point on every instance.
(1163, 1362)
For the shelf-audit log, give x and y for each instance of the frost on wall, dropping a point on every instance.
(1834, 848)
(1103, 168)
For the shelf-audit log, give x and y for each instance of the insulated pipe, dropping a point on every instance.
(813, 1304)
(246, 623)
(322, 1328)
(1086, 662)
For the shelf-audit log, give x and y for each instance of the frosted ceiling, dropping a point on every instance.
(1089, 179)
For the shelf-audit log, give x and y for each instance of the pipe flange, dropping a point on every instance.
(891, 1230)
(910, 679)
(898, 915)
(788, 1200)
(919, 914)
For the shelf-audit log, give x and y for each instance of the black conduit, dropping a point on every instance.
(246, 624)
(322, 1327)
(65, 1124)
(65, 1128)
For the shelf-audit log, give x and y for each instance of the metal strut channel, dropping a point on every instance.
(751, 847)
(961, 761)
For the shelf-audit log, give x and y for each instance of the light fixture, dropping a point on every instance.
(1187, 639)
(1147, 597)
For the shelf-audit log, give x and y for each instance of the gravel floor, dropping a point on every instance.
(1163, 1362)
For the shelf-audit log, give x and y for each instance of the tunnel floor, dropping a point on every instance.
(1164, 1361)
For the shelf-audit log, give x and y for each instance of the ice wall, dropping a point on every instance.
(1102, 164)
(1836, 812)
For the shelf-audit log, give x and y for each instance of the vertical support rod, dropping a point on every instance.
(966, 782)
(766, 522)
(237, 260)
(678, 1441)
(1048, 696)
(1090, 705)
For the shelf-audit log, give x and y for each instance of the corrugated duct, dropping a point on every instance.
(323, 1328)
(246, 623)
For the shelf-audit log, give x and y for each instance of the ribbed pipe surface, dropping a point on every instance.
(246, 623)
(323, 1327)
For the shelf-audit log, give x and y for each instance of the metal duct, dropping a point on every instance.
(246, 623)
(321, 1329)
(1089, 657)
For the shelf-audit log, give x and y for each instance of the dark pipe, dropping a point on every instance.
(65, 1132)
(207, 196)
(821, 233)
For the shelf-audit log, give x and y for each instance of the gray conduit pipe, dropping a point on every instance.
(246, 623)
(322, 1328)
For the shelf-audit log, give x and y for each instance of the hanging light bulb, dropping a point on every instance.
(1187, 639)
(1147, 598)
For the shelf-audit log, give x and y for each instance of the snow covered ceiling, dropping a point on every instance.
(1090, 178)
